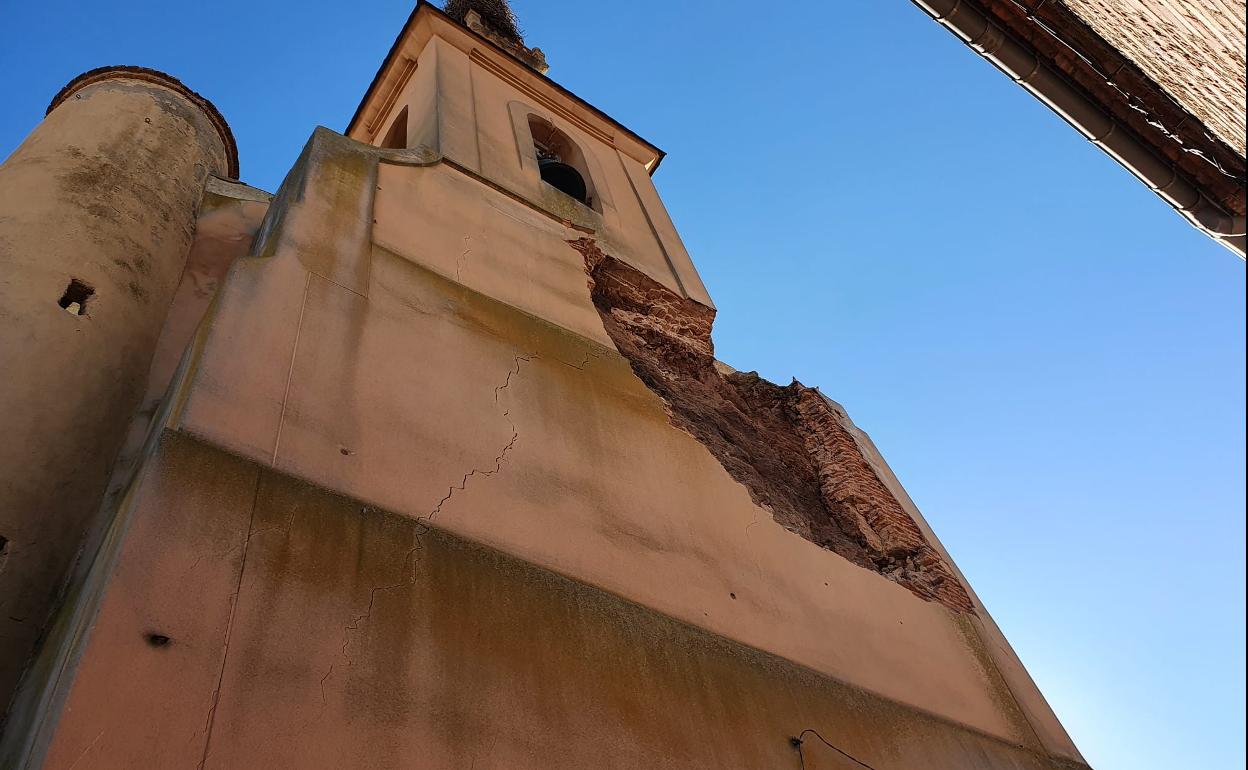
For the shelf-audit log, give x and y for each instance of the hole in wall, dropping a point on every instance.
(74, 300)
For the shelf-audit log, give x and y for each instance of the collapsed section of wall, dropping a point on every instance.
(786, 445)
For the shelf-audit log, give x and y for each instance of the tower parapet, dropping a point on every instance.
(495, 21)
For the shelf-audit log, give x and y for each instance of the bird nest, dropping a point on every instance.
(496, 14)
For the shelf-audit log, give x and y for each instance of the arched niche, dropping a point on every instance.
(560, 161)
(583, 160)
(396, 137)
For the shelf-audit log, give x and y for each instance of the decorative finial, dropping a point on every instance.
(495, 20)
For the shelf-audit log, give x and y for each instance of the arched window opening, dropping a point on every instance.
(396, 137)
(560, 161)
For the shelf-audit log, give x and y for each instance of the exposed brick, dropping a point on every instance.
(1125, 78)
(786, 445)
(1194, 49)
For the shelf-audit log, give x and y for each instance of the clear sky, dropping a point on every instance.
(1050, 358)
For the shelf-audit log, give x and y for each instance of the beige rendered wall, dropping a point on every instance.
(475, 392)
(103, 191)
(315, 632)
(230, 213)
(516, 560)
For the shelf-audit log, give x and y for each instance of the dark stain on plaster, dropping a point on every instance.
(786, 445)
(157, 640)
(557, 658)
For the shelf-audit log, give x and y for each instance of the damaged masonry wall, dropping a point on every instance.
(786, 445)
(409, 377)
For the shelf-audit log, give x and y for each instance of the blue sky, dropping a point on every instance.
(1050, 358)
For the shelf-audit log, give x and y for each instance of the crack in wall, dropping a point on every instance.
(210, 720)
(422, 522)
(324, 700)
(786, 445)
(87, 750)
(459, 261)
(590, 355)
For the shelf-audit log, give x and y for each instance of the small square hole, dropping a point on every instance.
(74, 300)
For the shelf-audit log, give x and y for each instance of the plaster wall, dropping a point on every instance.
(103, 191)
(313, 631)
(508, 542)
(229, 216)
(418, 95)
(467, 382)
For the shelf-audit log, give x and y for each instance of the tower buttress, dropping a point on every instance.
(99, 209)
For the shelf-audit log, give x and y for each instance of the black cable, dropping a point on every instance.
(797, 742)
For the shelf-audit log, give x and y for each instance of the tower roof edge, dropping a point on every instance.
(145, 74)
(424, 7)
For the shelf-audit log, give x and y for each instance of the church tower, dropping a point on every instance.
(441, 472)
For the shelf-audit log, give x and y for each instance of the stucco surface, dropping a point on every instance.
(104, 191)
(134, 704)
(424, 397)
(313, 631)
(229, 216)
(485, 241)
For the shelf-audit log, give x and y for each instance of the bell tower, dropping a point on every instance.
(475, 96)
(449, 477)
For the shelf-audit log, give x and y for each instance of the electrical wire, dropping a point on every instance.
(798, 740)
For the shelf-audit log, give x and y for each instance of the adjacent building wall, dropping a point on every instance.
(1194, 49)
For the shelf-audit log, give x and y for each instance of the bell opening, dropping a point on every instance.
(564, 178)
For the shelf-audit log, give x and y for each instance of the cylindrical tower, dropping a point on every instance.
(97, 213)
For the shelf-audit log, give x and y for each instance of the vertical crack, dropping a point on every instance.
(459, 261)
(408, 574)
(211, 719)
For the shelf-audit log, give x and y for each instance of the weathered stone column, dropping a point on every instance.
(97, 213)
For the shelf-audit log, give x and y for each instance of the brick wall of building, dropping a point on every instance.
(1194, 49)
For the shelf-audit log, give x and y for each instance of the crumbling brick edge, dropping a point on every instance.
(785, 444)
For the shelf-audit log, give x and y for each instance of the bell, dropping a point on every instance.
(563, 177)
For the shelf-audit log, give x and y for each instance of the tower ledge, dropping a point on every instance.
(144, 74)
